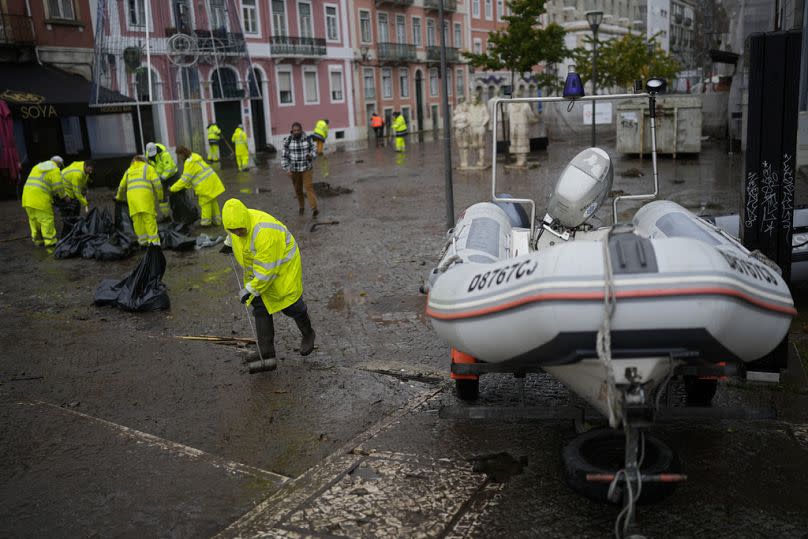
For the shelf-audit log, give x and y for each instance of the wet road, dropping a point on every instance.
(113, 425)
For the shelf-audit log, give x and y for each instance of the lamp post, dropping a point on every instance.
(594, 18)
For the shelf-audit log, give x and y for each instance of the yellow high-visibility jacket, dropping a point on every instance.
(163, 163)
(239, 139)
(321, 128)
(198, 175)
(74, 181)
(141, 188)
(268, 254)
(400, 125)
(214, 133)
(44, 181)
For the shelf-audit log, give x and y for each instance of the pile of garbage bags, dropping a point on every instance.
(142, 290)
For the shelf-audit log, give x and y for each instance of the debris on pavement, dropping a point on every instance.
(141, 290)
(324, 189)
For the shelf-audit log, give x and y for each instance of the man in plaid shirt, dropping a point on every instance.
(296, 159)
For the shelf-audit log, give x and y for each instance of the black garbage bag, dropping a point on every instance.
(183, 207)
(96, 225)
(142, 290)
(123, 221)
(175, 236)
(116, 247)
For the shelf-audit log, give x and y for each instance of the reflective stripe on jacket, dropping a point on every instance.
(321, 128)
(44, 181)
(214, 133)
(239, 138)
(198, 175)
(74, 181)
(400, 125)
(163, 163)
(141, 188)
(268, 254)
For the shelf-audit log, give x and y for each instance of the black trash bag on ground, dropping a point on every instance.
(96, 224)
(174, 236)
(123, 221)
(117, 246)
(183, 207)
(142, 290)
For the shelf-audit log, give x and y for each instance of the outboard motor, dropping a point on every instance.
(581, 188)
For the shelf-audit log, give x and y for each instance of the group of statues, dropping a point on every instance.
(470, 122)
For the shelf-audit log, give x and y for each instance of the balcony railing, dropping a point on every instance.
(396, 52)
(16, 30)
(448, 5)
(400, 3)
(433, 54)
(296, 46)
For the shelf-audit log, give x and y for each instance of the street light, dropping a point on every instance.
(594, 18)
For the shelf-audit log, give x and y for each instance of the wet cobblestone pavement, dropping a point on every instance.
(112, 425)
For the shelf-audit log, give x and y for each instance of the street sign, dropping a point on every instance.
(603, 113)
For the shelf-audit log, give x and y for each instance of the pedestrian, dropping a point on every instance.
(239, 140)
(320, 134)
(273, 277)
(296, 159)
(43, 184)
(400, 130)
(75, 178)
(160, 158)
(140, 187)
(205, 182)
(214, 134)
(377, 123)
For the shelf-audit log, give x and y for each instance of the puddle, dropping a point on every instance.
(499, 467)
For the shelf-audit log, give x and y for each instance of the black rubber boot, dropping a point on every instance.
(265, 328)
(307, 343)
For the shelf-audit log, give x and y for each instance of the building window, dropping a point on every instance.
(461, 83)
(478, 46)
(370, 84)
(331, 24)
(304, 19)
(500, 9)
(136, 11)
(458, 35)
(430, 32)
(285, 92)
(384, 31)
(63, 9)
(311, 95)
(416, 31)
(218, 15)
(279, 18)
(249, 16)
(401, 29)
(446, 33)
(335, 80)
(433, 81)
(404, 81)
(489, 9)
(364, 26)
(387, 83)
(475, 9)
(449, 81)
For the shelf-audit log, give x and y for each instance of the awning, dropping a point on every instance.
(38, 91)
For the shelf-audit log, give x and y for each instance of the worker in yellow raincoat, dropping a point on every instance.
(320, 134)
(239, 140)
(273, 276)
(75, 177)
(205, 182)
(43, 184)
(140, 187)
(160, 158)
(399, 126)
(214, 134)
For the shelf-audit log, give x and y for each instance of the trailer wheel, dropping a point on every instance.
(601, 451)
(468, 390)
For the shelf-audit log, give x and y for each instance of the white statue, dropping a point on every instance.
(521, 115)
(478, 123)
(460, 122)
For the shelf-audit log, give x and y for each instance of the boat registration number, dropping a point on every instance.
(502, 275)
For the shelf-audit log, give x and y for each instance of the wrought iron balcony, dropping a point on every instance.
(296, 46)
(400, 3)
(16, 30)
(448, 5)
(400, 52)
(433, 54)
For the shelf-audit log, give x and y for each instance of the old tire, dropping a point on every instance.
(468, 390)
(601, 451)
(700, 392)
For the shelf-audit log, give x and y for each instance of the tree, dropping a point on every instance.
(524, 43)
(623, 60)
